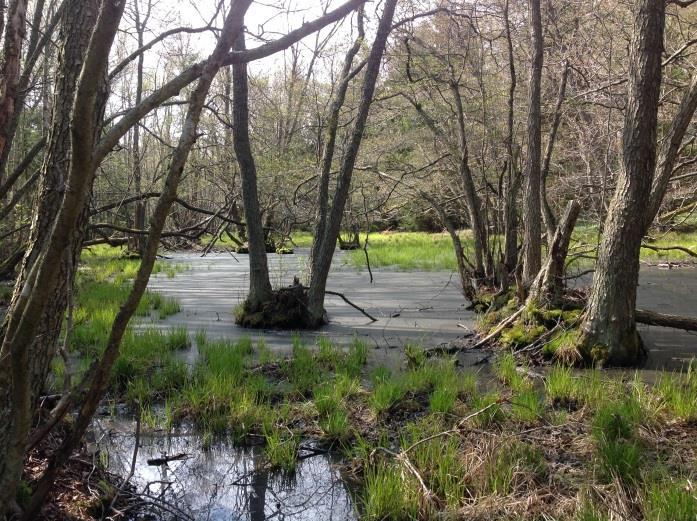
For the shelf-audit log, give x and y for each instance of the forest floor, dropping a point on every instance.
(325, 428)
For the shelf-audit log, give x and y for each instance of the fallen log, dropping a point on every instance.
(156, 462)
(652, 318)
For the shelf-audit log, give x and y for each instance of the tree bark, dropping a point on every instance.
(25, 319)
(669, 152)
(652, 318)
(548, 286)
(139, 207)
(609, 332)
(330, 143)
(548, 216)
(512, 179)
(474, 207)
(15, 32)
(322, 261)
(532, 236)
(80, 18)
(259, 283)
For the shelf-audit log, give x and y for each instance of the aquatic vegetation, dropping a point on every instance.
(281, 450)
(389, 494)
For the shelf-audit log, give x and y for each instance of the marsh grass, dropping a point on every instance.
(410, 251)
(389, 494)
(281, 450)
(679, 394)
(619, 451)
(513, 465)
(670, 499)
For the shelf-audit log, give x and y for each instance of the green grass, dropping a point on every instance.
(684, 239)
(619, 452)
(513, 465)
(410, 251)
(668, 500)
(386, 394)
(389, 494)
(302, 239)
(281, 450)
(679, 393)
(434, 251)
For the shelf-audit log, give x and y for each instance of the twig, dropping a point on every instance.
(343, 297)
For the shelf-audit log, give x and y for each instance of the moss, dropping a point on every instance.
(521, 334)
(599, 354)
(494, 316)
(562, 346)
(552, 317)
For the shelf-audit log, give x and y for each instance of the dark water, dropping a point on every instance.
(223, 482)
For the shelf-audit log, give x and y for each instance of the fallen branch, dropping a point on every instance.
(498, 329)
(156, 462)
(343, 297)
(660, 319)
(690, 252)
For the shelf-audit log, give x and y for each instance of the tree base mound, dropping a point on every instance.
(286, 309)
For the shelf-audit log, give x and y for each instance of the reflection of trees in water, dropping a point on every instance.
(229, 483)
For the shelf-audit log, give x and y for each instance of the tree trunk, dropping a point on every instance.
(532, 241)
(548, 216)
(652, 318)
(9, 76)
(139, 206)
(26, 318)
(609, 332)
(512, 178)
(321, 263)
(548, 286)
(259, 283)
(330, 144)
(79, 20)
(474, 207)
(669, 151)
(97, 379)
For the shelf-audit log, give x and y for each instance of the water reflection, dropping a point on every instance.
(223, 483)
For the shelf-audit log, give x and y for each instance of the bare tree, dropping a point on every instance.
(321, 262)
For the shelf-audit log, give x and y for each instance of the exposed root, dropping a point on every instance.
(286, 309)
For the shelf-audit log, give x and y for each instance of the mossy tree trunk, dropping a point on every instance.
(608, 331)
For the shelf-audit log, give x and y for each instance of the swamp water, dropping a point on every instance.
(221, 482)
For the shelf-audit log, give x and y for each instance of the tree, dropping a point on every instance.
(321, 262)
(44, 275)
(259, 284)
(608, 331)
(532, 229)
